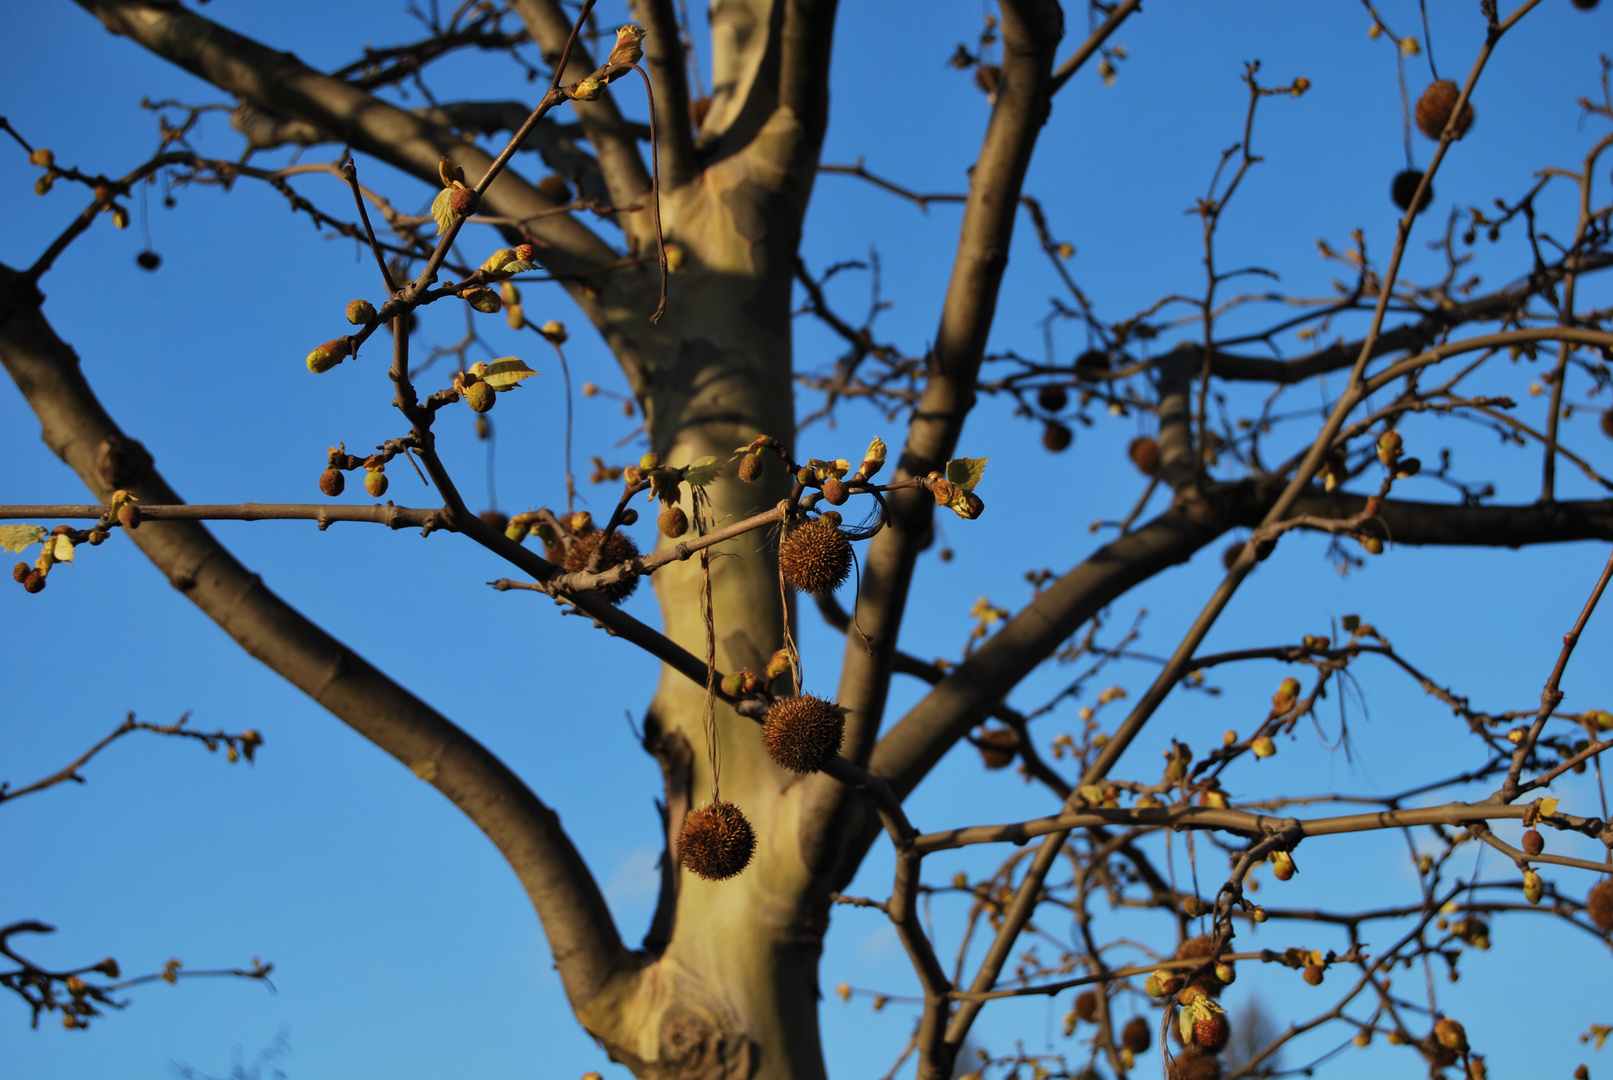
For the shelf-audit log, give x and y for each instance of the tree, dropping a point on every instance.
(690, 270)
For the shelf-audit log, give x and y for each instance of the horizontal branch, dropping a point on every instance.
(393, 517)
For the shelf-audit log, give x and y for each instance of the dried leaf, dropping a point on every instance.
(17, 537)
(506, 373)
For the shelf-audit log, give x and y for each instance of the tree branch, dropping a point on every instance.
(587, 948)
(669, 79)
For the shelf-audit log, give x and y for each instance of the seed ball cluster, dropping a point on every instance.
(1599, 905)
(1435, 106)
(1202, 948)
(1137, 1035)
(815, 557)
(716, 842)
(803, 733)
(618, 549)
(1405, 186)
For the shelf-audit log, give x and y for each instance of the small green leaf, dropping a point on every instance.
(702, 472)
(441, 212)
(966, 472)
(506, 373)
(518, 266)
(17, 537)
(499, 259)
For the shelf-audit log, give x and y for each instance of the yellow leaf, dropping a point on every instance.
(17, 537)
(506, 373)
(966, 472)
(1548, 807)
(441, 212)
(62, 549)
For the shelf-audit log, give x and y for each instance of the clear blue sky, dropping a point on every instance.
(403, 946)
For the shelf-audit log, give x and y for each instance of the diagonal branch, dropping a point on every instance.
(588, 950)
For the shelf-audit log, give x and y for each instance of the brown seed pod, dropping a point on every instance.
(1092, 363)
(1607, 423)
(1057, 437)
(1405, 186)
(332, 482)
(673, 522)
(815, 557)
(1533, 842)
(34, 582)
(20, 572)
(465, 201)
(716, 842)
(1137, 1036)
(1052, 398)
(1201, 948)
(555, 189)
(1434, 110)
(1194, 1064)
(750, 467)
(618, 549)
(998, 747)
(129, 516)
(1599, 905)
(496, 521)
(834, 491)
(803, 733)
(1086, 1006)
(1144, 453)
(1585, 5)
(1230, 555)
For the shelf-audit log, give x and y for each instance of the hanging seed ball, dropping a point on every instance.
(1230, 555)
(1201, 948)
(1533, 842)
(803, 733)
(1144, 453)
(1585, 5)
(1086, 1006)
(1052, 398)
(1434, 110)
(673, 522)
(1405, 186)
(1137, 1036)
(34, 582)
(716, 842)
(750, 467)
(1092, 362)
(998, 747)
(148, 260)
(375, 483)
(20, 572)
(1599, 905)
(618, 549)
(1057, 437)
(479, 396)
(815, 557)
(555, 189)
(1194, 1064)
(332, 482)
(1607, 423)
(495, 520)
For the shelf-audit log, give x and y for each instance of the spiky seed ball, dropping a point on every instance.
(1194, 1064)
(834, 491)
(1144, 453)
(1405, 186)
(716, 842)
(1434, 110)
(375, 483)
(1585, 5)
(750, 467)
(34, 582)
(673, 522)
(465, 201)
(479, 396)
(618, 549)
(332, 482)
(803, 733)
(1086, 1006)
(1599, 905)
(1211, 1032)
(20, 572)
(1137, 1036)
(555, 189)
(1057, 437)
(1202, 948)
(1607, 423)
(815, 557)
(1052, 398)
(998, 747)
(148, 260)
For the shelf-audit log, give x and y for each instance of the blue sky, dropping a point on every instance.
(402, 944)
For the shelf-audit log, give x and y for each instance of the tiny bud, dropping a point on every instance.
(553, 188)
(630, 516)
(650, 461)
(360, 312)
(374, 483)
(733, 684)
(629, 46)
(778, 664)
(1301, 85)
(589, 389)
(555, 331)
(750, 467)
(1372, 545)
(1533, 887)
(1258, 915)
(1226, 973)
(1282, 865)
(675, 257)
(479, 396)
(43, 185)
(1450, 1034)
(332, 482)
(42, 157)
(129, 516)
(1263, 747)
(450, 172)
(524, 252)
(120, 217)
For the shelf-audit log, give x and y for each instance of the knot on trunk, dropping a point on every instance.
(691, 1049)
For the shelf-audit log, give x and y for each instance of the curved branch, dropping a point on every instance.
(588, 951)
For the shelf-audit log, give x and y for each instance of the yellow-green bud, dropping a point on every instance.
(328, 355)
(479, 396)
(360, 312)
